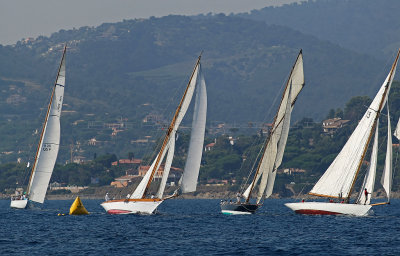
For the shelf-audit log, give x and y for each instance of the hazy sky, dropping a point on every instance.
(31, 18)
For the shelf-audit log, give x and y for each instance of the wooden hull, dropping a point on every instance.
(131, 206)
(323, 208)
(241, 208)
(19, 203)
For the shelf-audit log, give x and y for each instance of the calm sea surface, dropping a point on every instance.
(196, 227)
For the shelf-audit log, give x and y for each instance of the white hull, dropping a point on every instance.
(228, 212)
(19, 204)
(329, 208)
(131, 206)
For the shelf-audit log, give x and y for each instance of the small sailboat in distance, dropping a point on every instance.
(48, 146)
(274, 146)
(140, 202)
(339, 179)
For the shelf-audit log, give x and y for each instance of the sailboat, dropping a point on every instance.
(48, 146)
(141, 202)
(339, 179)
(274, 147)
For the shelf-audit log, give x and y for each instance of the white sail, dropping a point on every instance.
(267, 165)
(397, 130)
(281, 147)
(386, 180)
(49, 143)
(188, 98)
(338, 178)
(168, 163)
(296, 79)
(140, 189)
(181, 111)
(272, 158)
(369, 180)
(188, 182)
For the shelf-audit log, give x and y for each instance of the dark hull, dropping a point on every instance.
(241, 208)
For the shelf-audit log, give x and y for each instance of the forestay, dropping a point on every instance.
(49, 143)
(338, 178)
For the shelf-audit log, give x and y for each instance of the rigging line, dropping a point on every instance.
(243, 186)
(388, 64)
(297, 197)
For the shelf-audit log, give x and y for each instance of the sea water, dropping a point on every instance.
(196, 227)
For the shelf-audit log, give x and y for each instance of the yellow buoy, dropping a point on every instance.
(77, 208)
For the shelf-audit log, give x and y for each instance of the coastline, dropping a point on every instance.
(203, 192)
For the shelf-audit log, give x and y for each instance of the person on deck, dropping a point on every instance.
(107, 198)
(366, 196)
(238, 196)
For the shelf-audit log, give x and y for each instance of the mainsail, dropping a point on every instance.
(276, 142)
(49, 141)
(198, 129)
(338, 180)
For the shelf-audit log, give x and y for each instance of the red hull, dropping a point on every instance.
(118, 212)
(316, 212)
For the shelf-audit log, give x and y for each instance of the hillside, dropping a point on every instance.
(129, 69)
(366, 26)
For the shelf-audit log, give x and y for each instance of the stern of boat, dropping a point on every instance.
(19, 203)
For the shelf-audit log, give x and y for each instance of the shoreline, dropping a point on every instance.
(196, 195)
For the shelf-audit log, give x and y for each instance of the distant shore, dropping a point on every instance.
(202, 193)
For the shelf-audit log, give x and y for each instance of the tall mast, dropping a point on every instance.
(374, 124)
(253, 183)
(45, 120)
(170, 129)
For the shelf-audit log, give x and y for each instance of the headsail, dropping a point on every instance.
(369, 180)
(340, 176)
(397, 130)
(386, 180)
(168, 163)
(49, 141)
(276, 142)
(281, 147)
(188, 183)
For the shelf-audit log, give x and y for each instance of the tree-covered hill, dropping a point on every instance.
(366, 26)
(115, 68)
(135, 67)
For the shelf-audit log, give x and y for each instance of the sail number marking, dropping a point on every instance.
(59, 103)
(46, 147)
